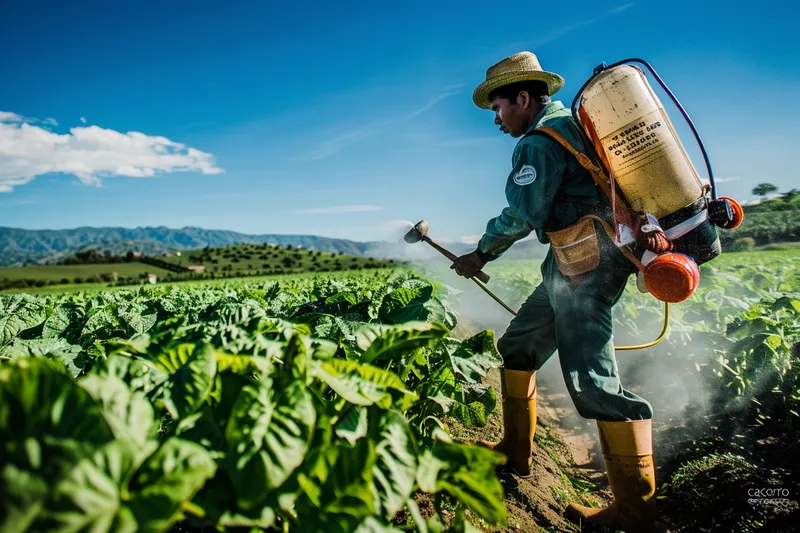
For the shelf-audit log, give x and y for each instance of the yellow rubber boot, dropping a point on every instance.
(628, 452)
(519, 421)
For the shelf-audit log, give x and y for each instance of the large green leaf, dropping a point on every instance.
(479, 401)
(120, 489)
(190, 373)
(36, 401)
(23, 493)
(353, 425)
(103, 323)
(91, 496)
(19, 312)
(740, 328)
(414, 300)
(473, 357)
(202, 428)
(66, 321)
(395, 469)
(348, 298)
(428, 471)
(469, 477)
(168, 479)
(385, 342)
(217, 502)
(59, 350)
(338, 495)
(399, 299)
(268, 436)
(138, 317)
(360, 384)
(244, 365)
(47, 424)
(128, 413)
(137, 374)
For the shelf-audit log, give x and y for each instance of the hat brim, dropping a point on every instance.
(481, 94)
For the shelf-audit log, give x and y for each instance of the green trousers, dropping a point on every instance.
(576, 321)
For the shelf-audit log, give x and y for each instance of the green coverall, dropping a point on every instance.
(548, 190)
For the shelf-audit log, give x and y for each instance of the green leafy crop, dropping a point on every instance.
(315, 405)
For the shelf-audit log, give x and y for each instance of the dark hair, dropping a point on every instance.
(536, 89)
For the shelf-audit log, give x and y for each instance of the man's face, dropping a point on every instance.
(511, 117)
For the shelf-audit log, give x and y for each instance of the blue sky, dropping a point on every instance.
(338, 119)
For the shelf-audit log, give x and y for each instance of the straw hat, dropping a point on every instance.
(519, 67)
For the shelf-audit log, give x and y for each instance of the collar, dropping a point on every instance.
(549, 109)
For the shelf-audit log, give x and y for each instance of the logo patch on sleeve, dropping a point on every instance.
(526, 175)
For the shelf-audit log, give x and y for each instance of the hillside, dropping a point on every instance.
(44, 247)
(21, 246)
(265, 259)
(767, 222)
(242, 260)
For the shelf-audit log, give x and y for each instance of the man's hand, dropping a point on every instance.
(468, 265)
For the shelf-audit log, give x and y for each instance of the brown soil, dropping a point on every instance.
(565, 464)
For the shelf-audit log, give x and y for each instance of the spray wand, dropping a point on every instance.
(420, 233)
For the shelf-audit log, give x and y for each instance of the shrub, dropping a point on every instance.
(743, 244)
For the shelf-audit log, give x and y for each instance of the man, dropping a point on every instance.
(584, 274)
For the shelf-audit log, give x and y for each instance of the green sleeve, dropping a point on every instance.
(535, 181)
(530, 190)
(501, 232)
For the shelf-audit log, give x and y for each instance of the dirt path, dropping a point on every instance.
(565, 462)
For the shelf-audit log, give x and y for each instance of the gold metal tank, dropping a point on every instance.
(639, 146)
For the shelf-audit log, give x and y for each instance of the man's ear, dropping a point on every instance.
(524, 99)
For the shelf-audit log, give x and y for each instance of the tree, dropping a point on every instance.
(763, 189)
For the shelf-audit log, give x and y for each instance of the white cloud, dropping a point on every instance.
(334, 145)
(726, 180)
(447, 92)
(470, 239)
(338, 210)
(90, 153)
(621, 8)
(551, 35)
(83, 120)
(14, 118)
(7, 116)
(336, 142)
(561, 31)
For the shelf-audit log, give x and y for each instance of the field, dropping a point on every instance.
(70, 272)
(348, 402)
(224, 262)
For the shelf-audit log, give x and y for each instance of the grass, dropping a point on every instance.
(764, 256)
(104, 287)
(58, 272)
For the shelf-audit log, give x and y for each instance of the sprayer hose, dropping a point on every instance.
(658, 339)
(633, 347)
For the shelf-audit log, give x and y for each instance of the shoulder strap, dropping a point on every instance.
(607, 185)
(596, 172)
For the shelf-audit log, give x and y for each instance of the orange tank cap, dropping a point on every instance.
(672, 277)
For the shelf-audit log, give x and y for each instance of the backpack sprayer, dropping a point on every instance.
(660, 206)
(664, 217)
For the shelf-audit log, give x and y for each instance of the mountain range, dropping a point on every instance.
(25, 247)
